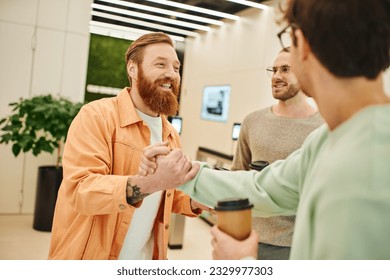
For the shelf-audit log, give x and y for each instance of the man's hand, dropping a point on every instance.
(148, 164)
(226, 247)
(197, 205)
(165, 171)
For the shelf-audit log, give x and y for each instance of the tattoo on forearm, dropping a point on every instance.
(134, 194)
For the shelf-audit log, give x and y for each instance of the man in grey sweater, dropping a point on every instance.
(271, 134)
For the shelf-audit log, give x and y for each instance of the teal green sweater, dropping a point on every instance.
(337, 184)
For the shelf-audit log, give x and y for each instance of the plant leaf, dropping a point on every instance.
(38, 123)
(16, 149)
(5, 138)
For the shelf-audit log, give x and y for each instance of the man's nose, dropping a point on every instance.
(171, 73)
(276, 78)
(277, 75)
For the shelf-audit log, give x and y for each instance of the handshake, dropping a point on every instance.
(162, 168)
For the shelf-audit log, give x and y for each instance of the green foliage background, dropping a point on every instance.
(39, 124)
(106, 64)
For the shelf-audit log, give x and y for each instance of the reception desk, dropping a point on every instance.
(216, 159)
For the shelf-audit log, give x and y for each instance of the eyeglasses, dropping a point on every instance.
(287, 37)
(284, 70)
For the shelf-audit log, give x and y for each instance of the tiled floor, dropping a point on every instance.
(19, 241)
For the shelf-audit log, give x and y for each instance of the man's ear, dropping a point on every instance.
(132, 69)
(303, 47)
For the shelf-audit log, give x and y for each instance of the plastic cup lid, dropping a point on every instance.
(258, 165)
(230, 204)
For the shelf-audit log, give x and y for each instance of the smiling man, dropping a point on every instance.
(105, 208)
(271, 134)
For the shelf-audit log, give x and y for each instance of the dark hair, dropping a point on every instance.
(135, 52)
(350, 38)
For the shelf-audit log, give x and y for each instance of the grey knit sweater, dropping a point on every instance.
(265, 136)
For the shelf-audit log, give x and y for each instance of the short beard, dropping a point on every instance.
(157, 100)
(291, 92)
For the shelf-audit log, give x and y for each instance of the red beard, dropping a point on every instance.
(158, 100)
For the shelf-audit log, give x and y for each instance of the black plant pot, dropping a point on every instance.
(49, 180)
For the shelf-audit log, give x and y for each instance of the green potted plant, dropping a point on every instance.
(40, 124)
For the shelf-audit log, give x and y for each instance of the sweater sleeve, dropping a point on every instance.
(264, 189)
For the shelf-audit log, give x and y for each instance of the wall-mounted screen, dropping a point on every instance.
(177, 123)
(215, 103)
(236, 131)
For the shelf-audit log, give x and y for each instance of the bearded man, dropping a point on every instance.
(271, 134)
(105, 208)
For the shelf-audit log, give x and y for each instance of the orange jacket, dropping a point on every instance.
(105, 144)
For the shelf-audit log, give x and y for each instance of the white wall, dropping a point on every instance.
(235, 54)
(44, 49)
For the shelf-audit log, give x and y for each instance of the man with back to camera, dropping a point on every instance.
(271, 134)
(105, 208)
(338, 182)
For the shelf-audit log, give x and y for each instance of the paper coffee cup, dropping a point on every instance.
(234, 217)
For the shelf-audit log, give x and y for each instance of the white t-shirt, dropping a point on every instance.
(138, 244)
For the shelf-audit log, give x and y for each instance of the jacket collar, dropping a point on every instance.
(127, 112)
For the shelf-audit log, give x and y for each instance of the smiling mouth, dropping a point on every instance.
(166, 85)
(279, 85)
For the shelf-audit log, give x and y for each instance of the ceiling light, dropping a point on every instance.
(151, 17)
(118, 31)
(250, 4)
(195, 9)
(164, 12)
(144, 23)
